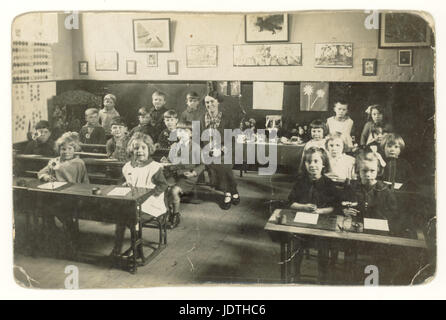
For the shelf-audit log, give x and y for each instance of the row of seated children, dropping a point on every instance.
(140, 171)
(315, 192)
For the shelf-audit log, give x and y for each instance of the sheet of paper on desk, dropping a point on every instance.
(308, 218)
(376, 224)
(397, 185)
(119, 191)
(51, 185)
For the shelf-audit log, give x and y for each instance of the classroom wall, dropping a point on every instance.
(114, 32)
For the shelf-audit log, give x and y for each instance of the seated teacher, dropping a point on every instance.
(222, 173)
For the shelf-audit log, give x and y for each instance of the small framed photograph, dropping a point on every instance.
(83, 68)
(405, 58)
(172, 67)
(131, 66)
(152, 59)
(369, 67)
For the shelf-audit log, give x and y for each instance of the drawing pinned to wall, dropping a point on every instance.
(201, 56)
(152, 59)
(151, 35)
(334, 55)
(106, 61)
(267, 95)
(222, 87)
(235, 88)
(289, 54)
(314, 96)
(266, 27)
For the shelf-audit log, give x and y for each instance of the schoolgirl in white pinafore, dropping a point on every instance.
(144, 176)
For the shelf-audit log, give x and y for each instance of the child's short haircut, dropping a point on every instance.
(91, 111)
(367, 154)
(139, 136)
(71, 138)
(335, 136)
(193, 95)
(310, 151)
(170, 114)
(118, 121)
(111, 96)
(42, 124)
(318, 123)
(185, 125)
(394, 139)
(143, 110)
(159, 93)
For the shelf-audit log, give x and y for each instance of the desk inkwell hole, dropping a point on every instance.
(96, 191)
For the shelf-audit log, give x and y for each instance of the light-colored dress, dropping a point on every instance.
(142, 177)
(342, 127)
(343, 167)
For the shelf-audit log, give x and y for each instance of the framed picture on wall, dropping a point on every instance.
(405, 58)
(400, 29)
(83, 68)
(172, 67)
(106, 61)
(334, 55)
(131, 66)
(201, 56)
(152, 59)
(266, 27)
(369, 67)
(151, 35)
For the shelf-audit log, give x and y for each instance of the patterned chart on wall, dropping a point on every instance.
(31, 61)
(30, 105)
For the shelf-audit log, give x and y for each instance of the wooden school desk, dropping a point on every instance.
(288, 155)
(327, 230)
(77, 201)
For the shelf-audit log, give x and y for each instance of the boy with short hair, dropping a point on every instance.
(170, 121)
(192, 112)
(157, 111)
(144, 125)
(117, 145)
(41, 143)
(92, 132)
(109, 112)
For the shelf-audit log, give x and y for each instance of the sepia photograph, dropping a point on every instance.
(189, 156)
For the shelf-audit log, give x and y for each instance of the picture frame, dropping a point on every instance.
(403, 30)
(151, 35)
(261, 55)
(369, 67)
(83, 68)
(201, 56)
(264, 27)
(333, 55)
(172, 67)
(152, 59)
(131, 66)
(106, 61)
(405, 58)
